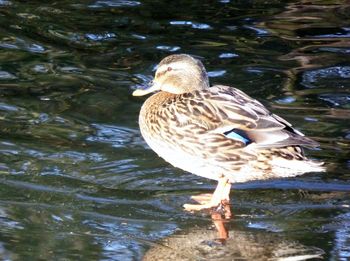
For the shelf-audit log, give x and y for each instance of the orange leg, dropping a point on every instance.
(220, 226)
(220, 197)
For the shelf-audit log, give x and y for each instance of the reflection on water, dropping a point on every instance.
(203, 244)
(77, 179)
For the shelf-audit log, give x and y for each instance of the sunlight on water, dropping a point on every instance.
(78, 182)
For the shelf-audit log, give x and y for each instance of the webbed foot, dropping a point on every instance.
(218, 202)
(208, 202)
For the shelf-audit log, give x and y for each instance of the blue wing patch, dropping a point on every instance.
(237, 135)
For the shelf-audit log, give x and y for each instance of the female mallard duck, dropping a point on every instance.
(219, 132)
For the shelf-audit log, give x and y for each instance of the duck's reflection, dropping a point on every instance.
(201, 243)
(219, 223)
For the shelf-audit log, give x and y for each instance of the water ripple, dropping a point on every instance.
(217, 73)
(5, 2)
(168, 48)
(100, 37)
(8, 107)
(118, 137)
(77, 179)
(18, 43)
(114, 3)
(312, 79)
(6, 76)
(194, 25)
(228, 55)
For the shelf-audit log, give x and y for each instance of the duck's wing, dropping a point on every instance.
(232, 113)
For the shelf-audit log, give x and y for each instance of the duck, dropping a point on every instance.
(217, 132)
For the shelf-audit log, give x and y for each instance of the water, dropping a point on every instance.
(79, 183)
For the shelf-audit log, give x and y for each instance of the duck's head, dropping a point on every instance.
(178, 73)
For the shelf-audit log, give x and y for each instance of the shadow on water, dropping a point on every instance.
(79, 183)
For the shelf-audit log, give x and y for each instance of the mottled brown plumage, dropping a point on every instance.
(217, 132)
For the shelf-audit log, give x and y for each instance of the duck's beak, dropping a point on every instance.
(153, 87)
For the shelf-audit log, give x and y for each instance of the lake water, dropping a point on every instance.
(79, 183)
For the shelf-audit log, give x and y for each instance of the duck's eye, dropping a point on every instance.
(169, 69)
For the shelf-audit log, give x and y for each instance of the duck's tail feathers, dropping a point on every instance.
(291, 168)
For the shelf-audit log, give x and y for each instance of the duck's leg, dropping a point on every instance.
(225, 203)
(221, 196)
